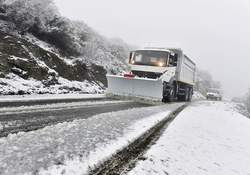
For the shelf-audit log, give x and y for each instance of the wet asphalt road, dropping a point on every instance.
(46, 101)
(28, 119)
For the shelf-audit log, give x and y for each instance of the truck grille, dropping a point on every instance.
(143, 74)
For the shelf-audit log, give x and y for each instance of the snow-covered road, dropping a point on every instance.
(74, 147)
(11, 98)
(208, 138)
(26, 118)
(36, 99)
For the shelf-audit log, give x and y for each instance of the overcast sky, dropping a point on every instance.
(215, 33)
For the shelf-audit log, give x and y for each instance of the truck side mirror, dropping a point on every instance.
(130, 57)
(175, 60)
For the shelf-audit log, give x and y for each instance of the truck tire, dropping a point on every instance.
(168, 93)
(190, 94)
(186, 94)
(184, 97)
(171, 94)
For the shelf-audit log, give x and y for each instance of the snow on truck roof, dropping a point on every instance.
(160, 49)
(163, 48)
(173, 50)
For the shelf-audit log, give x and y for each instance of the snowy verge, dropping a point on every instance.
(14, 84)
(75, 147)
(206, 138)
(198, 96)
(35, 97)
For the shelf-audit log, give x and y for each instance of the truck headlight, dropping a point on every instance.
(161, 64)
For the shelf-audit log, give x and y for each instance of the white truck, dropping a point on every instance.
(157, 73)
(214, 94)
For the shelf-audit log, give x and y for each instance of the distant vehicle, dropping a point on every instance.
(157, 73)
(214, 94)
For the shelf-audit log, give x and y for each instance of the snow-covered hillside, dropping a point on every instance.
(43, 52)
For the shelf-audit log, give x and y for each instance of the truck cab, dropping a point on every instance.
(153, 63)
(156, 73)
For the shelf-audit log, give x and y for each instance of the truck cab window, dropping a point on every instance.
(150, 58)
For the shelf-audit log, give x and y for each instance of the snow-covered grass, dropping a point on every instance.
(206, 138)
(14, 84)
(74, 147)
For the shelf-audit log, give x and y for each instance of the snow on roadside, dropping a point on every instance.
(36, 97)
(242, 109)
(71, 147)
(198, 96)
(206, 138)
(13, 84)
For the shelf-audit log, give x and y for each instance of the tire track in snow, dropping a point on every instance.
(32, 120)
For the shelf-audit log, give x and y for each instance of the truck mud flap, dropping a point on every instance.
(135, 87)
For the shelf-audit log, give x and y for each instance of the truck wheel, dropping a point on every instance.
(190, 93)
(168, 93)
(187, 94)
(171, 95)
(183, 97)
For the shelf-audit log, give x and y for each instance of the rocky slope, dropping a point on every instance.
(41, 54)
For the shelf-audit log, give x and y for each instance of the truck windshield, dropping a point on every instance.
(150, 58)
(214, 91)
